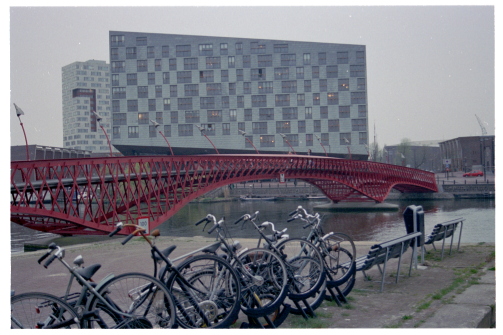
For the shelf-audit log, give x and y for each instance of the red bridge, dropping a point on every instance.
(89, 196)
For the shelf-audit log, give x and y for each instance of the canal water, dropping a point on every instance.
(479, 215)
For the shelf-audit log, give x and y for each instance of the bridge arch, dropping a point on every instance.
(88, 196)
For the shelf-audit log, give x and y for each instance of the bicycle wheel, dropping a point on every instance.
(340, 254)
(313, 301)
(137, 300)
(304, 265)
(344, 287)
(36, 310)
(207, 292)
(264, 284)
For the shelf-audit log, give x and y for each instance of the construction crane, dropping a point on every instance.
(482, 128)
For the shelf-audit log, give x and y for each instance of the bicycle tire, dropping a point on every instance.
(263, 275)
(214, 290)
(305, 261)
(36, 310)
(339, 249)
(145, 300)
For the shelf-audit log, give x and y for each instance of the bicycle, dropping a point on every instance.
(205, 288)
(336, 248)
(129, 300)
(303, 260)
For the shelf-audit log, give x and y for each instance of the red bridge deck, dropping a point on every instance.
(89, 196)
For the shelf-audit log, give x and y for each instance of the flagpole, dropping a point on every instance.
(20, 112)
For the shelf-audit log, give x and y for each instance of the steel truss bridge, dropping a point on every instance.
(89, 196)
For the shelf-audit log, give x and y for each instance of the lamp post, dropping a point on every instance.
(156, 125)
(244, 135)
(201, 129)
(20, 112)
(319, 140)
(286, 140)
(98, 119)
(403, 159)
(349, 150)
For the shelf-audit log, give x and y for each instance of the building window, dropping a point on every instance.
(206, 76)
(115, 80)
(317, 126)
(214, 116)
(357, 70)
(159, 117)
(185, 103)
(114, 53)
(207, 102)
(158, 65)
(133, 132)
(300, 73)
(239, 48)
(132, 105)
(309, 140)
(308, 113)
(185, 130)
(172, 64)
(232, 88)
(231, 62)
(343, 84)
(225, 102)
(117, 40)
(205, 49)
(267, 141)
(131, 53)
(264, 60)
(191, 90)
(190, 64)
(281, 73)
(256, 48)
(259, 127)
(280, 48)
(173, 91)
(257, 74)
(315, 72)
(358, 98)
(325, 137)
(265, 87)
(259, 101)
(158, 91)
(316, 98)
(293, 140)
(226, 128)
(342, 57)
(344, 112)
(165, 77)
(150, 52)
(152, 132)
(288, 60)
(307, 59)
(167, 130)
(266, 114)
(290, 113)
(143, 118)
(119, 119)
(116, 132)
(116, 106)
(183, 51)
(289, 86)
(247, 88)
(333, 98)
(192, 117)
(151, 78)
(241, 101)
(239, 75)
(301, 126)
(224, 75)
(323, 85)
(345, 139)
(118, 67)
(333, 125)
(212, 62)
(142, 91)
(248, 114)
(141, 65)
(301, 99)
(283, 127)
(322, 58)
(307, 85)
(246, 61)
(361, 84)
(358, 124)
(214, 89)
(151, 105)
(174, 117)
(233, 115)
(141, 40)
(362, 110)
(166, 103)
(332, 71)
(184, 77)
(223, 48)
(362, 138)
(282, 100)
(131, 79)
(324, 112)
(360, 57)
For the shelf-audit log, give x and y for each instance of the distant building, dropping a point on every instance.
(37, 152)
(424, 155)
(315, 94)
(86, 88)
(466, 152)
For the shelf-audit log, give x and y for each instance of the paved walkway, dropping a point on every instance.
(456, 292)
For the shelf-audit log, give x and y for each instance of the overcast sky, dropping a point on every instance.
(430, 69)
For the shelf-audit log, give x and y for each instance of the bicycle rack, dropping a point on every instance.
(269, 323)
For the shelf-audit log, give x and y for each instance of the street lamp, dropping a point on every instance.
(244, 135)
(319, 140)
(286, 140)
(349, 150)
(156, 125)
(98, 119)
(20, 112)
(201, 129)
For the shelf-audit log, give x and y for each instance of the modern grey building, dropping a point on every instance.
(86, 88)
(284, 95)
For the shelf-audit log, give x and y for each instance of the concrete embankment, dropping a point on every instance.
(455, 292)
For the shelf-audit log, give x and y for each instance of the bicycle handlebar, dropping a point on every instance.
(52, 246)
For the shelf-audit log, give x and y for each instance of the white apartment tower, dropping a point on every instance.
(86, 88)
